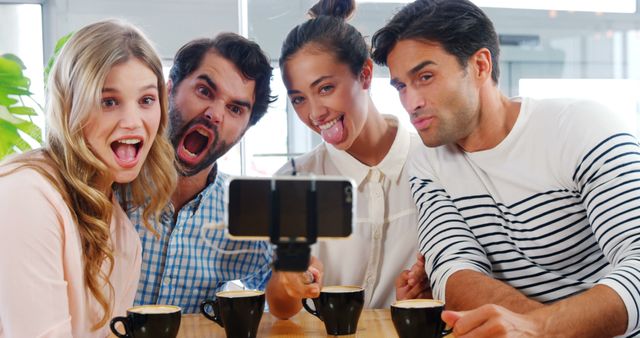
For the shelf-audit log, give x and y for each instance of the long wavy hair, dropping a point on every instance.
(74, 89)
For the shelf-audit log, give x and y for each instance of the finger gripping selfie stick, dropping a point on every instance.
(293, 254)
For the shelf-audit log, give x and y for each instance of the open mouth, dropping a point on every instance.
(331, 123)
(194, 144)
(333, 131)
(126, 151)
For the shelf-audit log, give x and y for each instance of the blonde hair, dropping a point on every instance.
(74, 90)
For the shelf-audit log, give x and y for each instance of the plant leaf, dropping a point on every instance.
(22, 145)
(14, 58)
(15, 131)
(5, 115)
(22, 110)
(59, 44)
(9, 67)
(31, 129)
(14, 91)
(9, 137)
(6, 101)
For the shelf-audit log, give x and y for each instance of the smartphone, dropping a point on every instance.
(249, 206)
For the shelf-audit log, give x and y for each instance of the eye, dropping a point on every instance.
(425, 77)
(296, 100)
(399, 86)
(109, 102)
(148, 100)
(202, 90)
(326, 89)
(236, 110)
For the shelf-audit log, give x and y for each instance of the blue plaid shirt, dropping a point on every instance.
(182, 269)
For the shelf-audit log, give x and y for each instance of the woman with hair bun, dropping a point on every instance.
(69, 256)
(327, 71)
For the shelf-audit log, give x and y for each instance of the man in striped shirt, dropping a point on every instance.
(529, 216)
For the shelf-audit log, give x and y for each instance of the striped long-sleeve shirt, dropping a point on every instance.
(553, 210)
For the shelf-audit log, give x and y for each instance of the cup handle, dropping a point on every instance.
(124, 322)
(311, 311)
(215, 309)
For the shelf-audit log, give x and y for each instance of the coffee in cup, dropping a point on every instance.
(239, 312)
(415, 318)
(339, 307)
(149, 321)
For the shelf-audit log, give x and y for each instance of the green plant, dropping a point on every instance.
(15, 115)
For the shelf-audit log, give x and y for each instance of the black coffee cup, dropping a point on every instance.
(239, 312)
(149, 321)
(418, 318)
(339, 307)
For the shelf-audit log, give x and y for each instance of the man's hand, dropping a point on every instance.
(285, 290)
(493, 321)
(302, 284)
(413, 283)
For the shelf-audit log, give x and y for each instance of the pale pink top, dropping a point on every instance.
(42, 288)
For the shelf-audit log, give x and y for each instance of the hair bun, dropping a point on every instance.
(337, 8)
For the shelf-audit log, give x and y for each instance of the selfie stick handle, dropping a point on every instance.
(293, 255)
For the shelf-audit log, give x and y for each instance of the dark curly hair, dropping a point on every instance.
(245, 54)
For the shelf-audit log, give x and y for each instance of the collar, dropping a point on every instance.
(212, 174)
(390, 166)
(215, 181)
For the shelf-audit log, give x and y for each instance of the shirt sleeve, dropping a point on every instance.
(444, 238)
(33, 291)
(262, 272)
(250, 262)
(608, 179)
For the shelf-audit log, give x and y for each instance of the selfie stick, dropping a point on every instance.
(292, 254)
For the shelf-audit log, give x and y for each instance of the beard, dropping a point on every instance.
(177, 132)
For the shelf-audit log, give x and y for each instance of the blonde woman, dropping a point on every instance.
(69, 257)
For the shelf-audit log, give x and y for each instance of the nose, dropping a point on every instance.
(215, 112)
(412, 100)
(318, 111)
(131, 118)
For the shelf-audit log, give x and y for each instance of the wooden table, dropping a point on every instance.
(372, 324)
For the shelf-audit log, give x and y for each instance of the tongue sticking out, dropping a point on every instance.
(125, 152)
(333, 134)
(195, 142)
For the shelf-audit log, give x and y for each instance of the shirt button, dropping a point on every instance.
(167, 281)
(376, 234)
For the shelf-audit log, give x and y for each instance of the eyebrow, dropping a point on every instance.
(313, 84)
(213, 85)
(208, 80)
(114, 90)
(413, 71)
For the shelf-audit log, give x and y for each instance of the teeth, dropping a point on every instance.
(202, 132)
(188, 152)
(328, 124)
(129, 141)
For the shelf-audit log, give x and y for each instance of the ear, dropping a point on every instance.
(481, 65)
(169, 86)
(366, 74)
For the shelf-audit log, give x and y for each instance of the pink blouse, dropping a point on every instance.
(42, 288)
